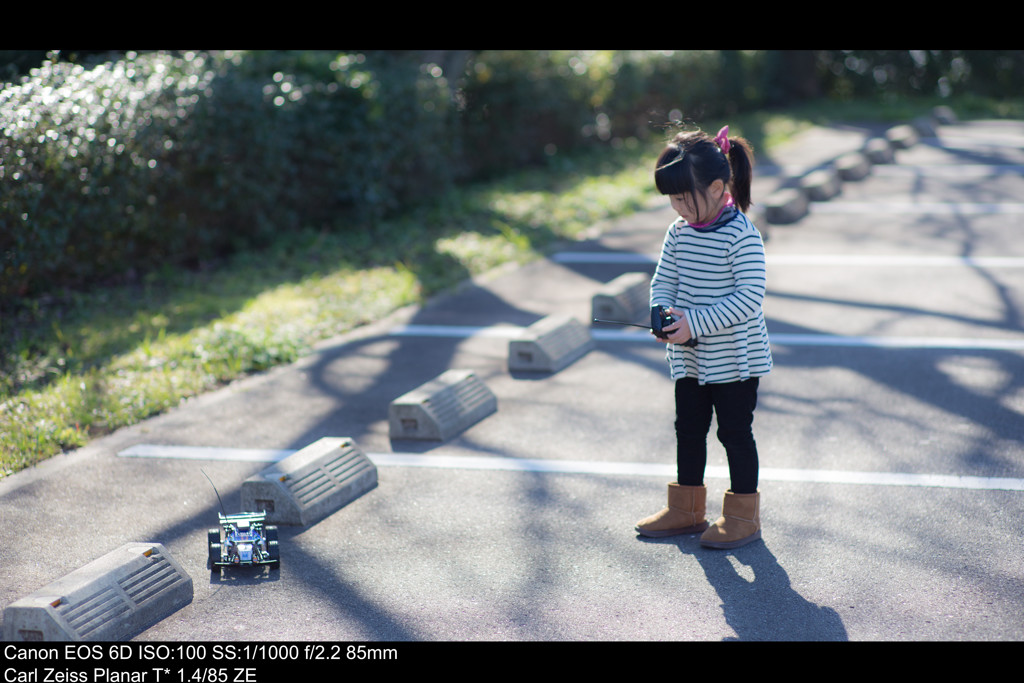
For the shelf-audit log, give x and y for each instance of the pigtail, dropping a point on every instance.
(741, 160)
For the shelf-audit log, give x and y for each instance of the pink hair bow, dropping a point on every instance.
(722, 139)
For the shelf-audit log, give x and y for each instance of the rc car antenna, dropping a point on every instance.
(215, 491)
(620, 322)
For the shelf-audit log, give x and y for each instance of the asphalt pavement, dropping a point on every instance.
(890, 434)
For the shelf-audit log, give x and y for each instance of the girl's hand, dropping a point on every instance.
(678, 332)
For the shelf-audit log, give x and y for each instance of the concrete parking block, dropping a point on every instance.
(787, 205)
(925, 126)
(112, 598)
(442, 407)
(879, 151)
(902, 137)
(822, 184)
(853, 166)
(945, 115)
(312, 483)
(624, 299)
(549, 345)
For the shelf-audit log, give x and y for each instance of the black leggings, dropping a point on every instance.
(733, 404)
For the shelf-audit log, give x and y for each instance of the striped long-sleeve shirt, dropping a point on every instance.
(717, 275)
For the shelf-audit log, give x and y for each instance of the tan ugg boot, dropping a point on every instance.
(684, 514)
(739, 524)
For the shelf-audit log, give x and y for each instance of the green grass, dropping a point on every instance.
(89, 363)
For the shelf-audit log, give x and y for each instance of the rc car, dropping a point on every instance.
(243, 539)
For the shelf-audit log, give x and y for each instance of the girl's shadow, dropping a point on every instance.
(765, 607)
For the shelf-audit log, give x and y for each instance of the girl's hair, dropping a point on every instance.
(694, 160)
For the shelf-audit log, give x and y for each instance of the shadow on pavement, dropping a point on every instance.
(765, 607)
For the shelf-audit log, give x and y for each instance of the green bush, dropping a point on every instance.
(517, 107)
(85, 166)
(162, 159)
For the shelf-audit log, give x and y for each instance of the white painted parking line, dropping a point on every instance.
(979, 142)
(958, 171)
(205, 453)
(462, 462)
(458, 331)
(780, 339)
(599, 257)
(852, 260)
(922, 207)
(961, 343)
(895, 260)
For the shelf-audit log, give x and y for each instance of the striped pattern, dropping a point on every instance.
(717, 275)
(100, 610)
(326, 477)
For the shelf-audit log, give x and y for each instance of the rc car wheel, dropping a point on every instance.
(211, 562)
(274, 553)
(213, 539)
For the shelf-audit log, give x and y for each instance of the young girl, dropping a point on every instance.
(711, 277)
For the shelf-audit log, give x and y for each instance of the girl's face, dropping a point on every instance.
(698, 208)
